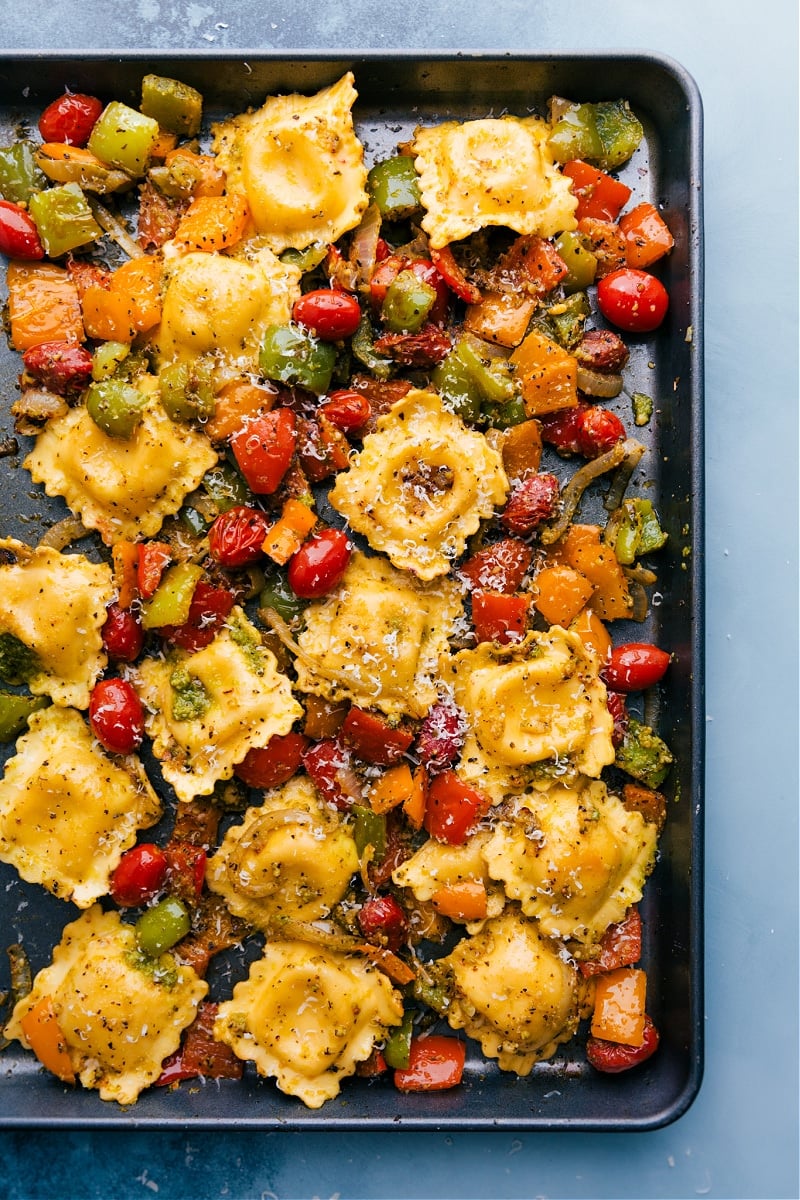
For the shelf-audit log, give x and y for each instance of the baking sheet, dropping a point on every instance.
(397, 92)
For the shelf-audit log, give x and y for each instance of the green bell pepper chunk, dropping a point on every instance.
(225, 487)
(581, 263)
(124, 138)
(652, 536)
(397, 1050)
(176, 106)
(115, 406)
(362, 344)
(433, 993)
(305, 260)
(292, 355)
(18, 663)
(369, 829)
(15, 711)
(453, 381)
(564, 322)
(643, 755)
(172, 599)
(503, 416)
(642, 408)
(193, 521)
(20, 177)
(638, 530)
(394, 186)
(63, 218)
(575, 135)
(407, 303)
(108, 356)
(490, 374)
(160, 927)
(187, 392)
(279, 595)
(620, 132)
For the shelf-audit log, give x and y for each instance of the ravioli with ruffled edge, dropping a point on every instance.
(120, 1014)
(205, 709)
(307, 1016)
(493, 171)
(55, 604)
(122, 487)
(299, 163)
(421, 485)
(291, 855)
(574, 858)
(515, 991)
(377, 638)
(69, 810)
(437, 865)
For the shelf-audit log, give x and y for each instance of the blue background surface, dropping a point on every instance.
(740, 1137)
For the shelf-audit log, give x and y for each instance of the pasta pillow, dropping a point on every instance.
(307, 1016)
(421, 485)
(55, 605)
(495, 171)
(437, 865)
(120, 1013)
(299, 163)
(68, 810)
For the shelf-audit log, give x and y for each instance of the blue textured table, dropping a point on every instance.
(739, 1139)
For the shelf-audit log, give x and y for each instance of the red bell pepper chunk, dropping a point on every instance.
(453, 808)
(453, 276)
(264, 447)
(372, 738)
(434, 1064)
(271, 765)
(498, 617)
(150, 566)
(207, 612)
(620, 946)
(200, 1053)
(186, 869)
(599, 195)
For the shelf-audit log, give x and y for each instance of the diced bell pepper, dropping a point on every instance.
(173, 598)
(620, 132)
(187, 390)
(292, 355)
(582, 264)
(15, 711)
(160, 927)
(174, 105)
(124, 138)
(63, 218)
(369, 829)
(43, 305)
(408, 301)
(394, 186)
(575, 134)
(20, 175)
(115, 406)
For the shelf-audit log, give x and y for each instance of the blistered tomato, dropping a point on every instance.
(116, 716)
(331, 314)
(139, 876)
(70, 118)
(632, 300)
(319, 564)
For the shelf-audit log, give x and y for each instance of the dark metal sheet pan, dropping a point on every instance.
(397, 91)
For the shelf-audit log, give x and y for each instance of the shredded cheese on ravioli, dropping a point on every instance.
(68, 810)
(120, 1015)
(496, 171)
(55, 604)
(299, 163)
(421, 485)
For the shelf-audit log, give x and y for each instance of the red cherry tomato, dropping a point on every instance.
(613, 1057)
(186, 869)
(123, 635)
(383, 915)
(346, 409)
(236, 536)
(635, 666)
(271, 765)
(332, 315)
(263, 448)
(615, 702)
(70, 119)
(207, 612)
(329, 768)
(632, 300)
(453, 808)
(60, 367)
(19, 237)
(139, 876)
(599, 431)
(435, 1062)
(116, 716)
(371, 737)
(500, 567)
(319, 564)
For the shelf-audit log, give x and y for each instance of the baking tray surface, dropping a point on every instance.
(397, 92)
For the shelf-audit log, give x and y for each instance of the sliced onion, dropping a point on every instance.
(640, 574)
(34, 407)
(364, 244)
(630, 449)
(60, 535)
(603, 384)
(115, 229)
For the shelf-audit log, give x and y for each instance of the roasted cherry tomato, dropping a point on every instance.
(599, 431)
(615, 702)
(500, 567)
(331, 314)
(635, 666)
(329, 769)
(60, 367)
(453, 808)
(208, 610)
(383, 916)
(116, 716)
(441, 734)
(139, 876)
(186, 869)
(435, 1063)
(372, 738)
(533, 500)
(236, 536)
(319, 564)
(620, 946)
(271, 765)
(346, 409)
(613, 1057)
(122, 633)
(263, 448)
(632, 300)
(70, 118)
(19, 237)
(200, 1055)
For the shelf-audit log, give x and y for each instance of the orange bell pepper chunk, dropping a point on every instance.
(46, 1039)
(593, 633)
(235, 402)
(43, 305)
(548, 375)
(125, 559)
(647, 237)
(619, 1006)
(213, 223)
(393, 788)
(561, 594)
(599, 194)
(414, 806)
(210, 179)
(464, 901)
(289, 532)
(130, 305)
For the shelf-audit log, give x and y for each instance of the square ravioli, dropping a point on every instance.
(55, 605)
(120, 1014)
(206, 709)
(377, 639)
(421, 485)
(68, 810)
(122, 487)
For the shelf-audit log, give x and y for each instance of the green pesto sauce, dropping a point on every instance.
(190, 699)
(163, 970)
(250, 645)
